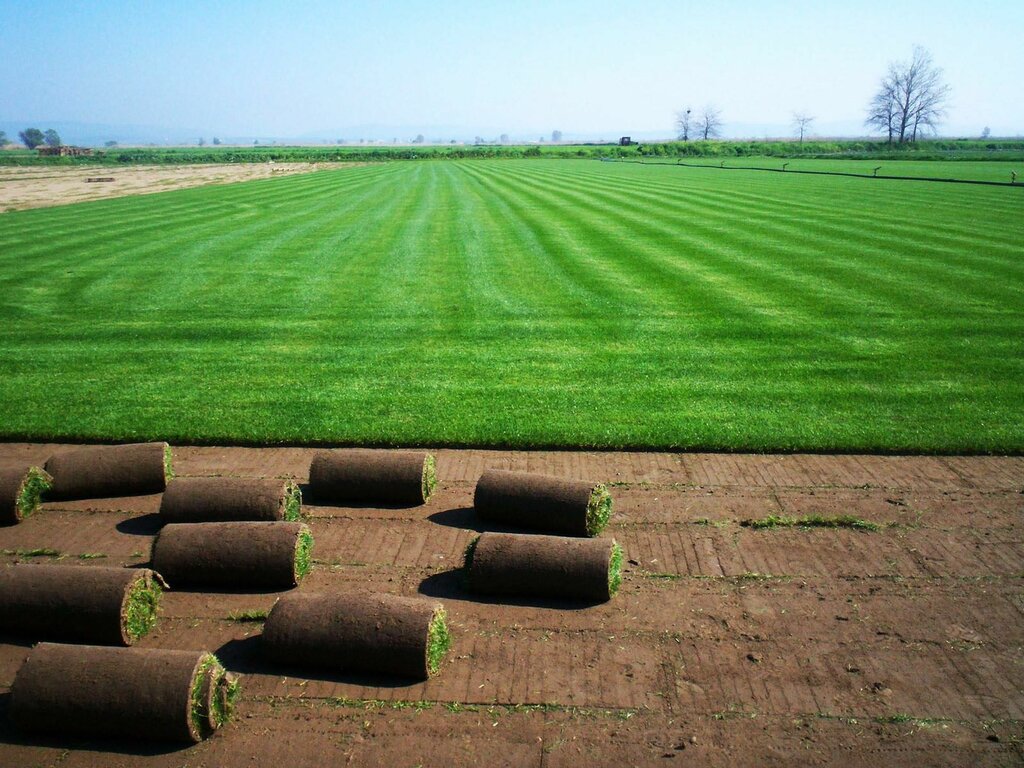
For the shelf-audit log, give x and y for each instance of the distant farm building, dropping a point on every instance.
(63, 151)
(625, 141)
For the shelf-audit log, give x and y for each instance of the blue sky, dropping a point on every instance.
(300, 68)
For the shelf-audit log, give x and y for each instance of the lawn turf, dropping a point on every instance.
(538, 303)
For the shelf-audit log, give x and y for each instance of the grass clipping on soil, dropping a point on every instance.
(811, 521)
(292, 503)
(140, 607)
(303, 554)
(599, 510)
(36, 484)
(439, 640)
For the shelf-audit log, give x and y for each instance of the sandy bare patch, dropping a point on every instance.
(40, 187)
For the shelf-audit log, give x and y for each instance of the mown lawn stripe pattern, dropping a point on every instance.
(523, 303)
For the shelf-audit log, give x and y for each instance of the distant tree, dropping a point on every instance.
(556, 136)
(985, 133)
(51, 137)
(31, 137)
(684, 124)
(419, 139)
(202, 141)
(216, 141)
(110, 144)
(478, 139)
(4, 141)
(709, 124)
(802, 124)
(504, 138)
(255, 142)
(541, 140)
(911, 99)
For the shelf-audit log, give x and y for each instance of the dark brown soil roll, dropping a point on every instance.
(94, 691)
(102, 471)
(543, 566)
(541, 502)
(20, 491)
(104, 606)
(233, 555)
(395, 635)
(371, 476)
(224, 499)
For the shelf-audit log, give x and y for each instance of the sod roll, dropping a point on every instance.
(104, 606)
(368, 476)
(20, 491)
(96, 691)
(102, 471)
(239, 555)
(223, 499)
(543, 566)
(541, 502)
(405, 636)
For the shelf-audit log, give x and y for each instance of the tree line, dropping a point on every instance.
(911, 100)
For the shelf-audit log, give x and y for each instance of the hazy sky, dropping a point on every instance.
(291, 68)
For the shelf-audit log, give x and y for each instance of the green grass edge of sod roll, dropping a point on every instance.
(168, 464)
(429, 476)
(141, 606)
(467, 558)
(614, 570)
(222, 707)
(439, 640)
(599, 510)
(292, 502)
(303, 553)
(32, 490)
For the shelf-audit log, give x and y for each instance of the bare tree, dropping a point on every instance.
(684, 123)
(802, 124)
(709, 124)
(911, 99)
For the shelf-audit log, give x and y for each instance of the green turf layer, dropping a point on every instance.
(615, 570)
(429, 476)
(292, 502)
(222, 703)
(518, 303)
(303, 554)
(599, 510)
(36, 483)
(140, 608)
(439, 640)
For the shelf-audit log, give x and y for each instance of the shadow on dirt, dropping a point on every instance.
(467, 519)
(450, 585)
(142, 525)
(12, 736)
(309, 497)
(246, 657)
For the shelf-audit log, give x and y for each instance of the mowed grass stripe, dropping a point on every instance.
(519, 303)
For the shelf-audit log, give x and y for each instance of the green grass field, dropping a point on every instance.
(523, 303)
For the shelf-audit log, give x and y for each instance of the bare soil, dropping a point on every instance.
(726, 645)
(41, 186)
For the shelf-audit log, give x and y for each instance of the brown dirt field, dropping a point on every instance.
(726, 645)
(41, 186)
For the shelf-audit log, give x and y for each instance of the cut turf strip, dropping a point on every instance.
(542, 502)
(94, 691)
(103, 471)
(372, 477)
(235, 555)
(225, 499)
(543, 566)
(108, 606)
(405, 636)
(20, 492)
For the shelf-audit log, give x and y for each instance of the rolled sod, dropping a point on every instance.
(542, 502)
(543, 566)
(368, 476)
(237, 555)
(20, 491)
(96, 691)
(104, 606)
(404, 636)
(224, 499)
(102, 471)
